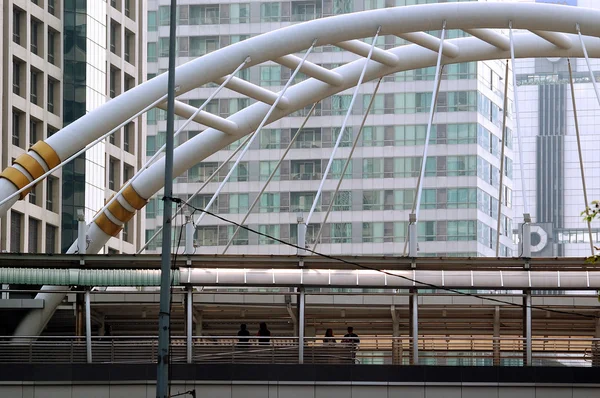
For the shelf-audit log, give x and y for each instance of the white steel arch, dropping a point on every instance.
(552, 33)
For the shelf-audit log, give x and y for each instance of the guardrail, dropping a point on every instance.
(435, 351)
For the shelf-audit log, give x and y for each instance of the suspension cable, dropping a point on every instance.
(337, 188)
(587, 61)
(503, 143)
(343, 128)
(179, 130)
(275, 169)
(585, 197)
(256, 133)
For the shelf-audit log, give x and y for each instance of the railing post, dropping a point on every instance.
(88, 326)
(301, 299)
(414, 327)
(189, 318)
(496, 339)
(527, 354)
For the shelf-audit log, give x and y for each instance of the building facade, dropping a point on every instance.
(371, 211)
(64, 59)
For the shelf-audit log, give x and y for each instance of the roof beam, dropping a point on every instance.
(361, 48)
(253, 91)
(560, 40)
(492, 37)
(208, 119)
(431, 42)
(312, 70)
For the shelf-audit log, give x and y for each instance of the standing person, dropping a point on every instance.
(352, 340)
(263, 334)
(243, 332)
(329, 337)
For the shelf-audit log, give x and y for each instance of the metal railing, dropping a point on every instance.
(434, 351)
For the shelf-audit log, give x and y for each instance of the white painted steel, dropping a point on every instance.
(279, 44)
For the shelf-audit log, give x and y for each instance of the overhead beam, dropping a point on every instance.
(560, 40)
(253, 91)
(208, 119)
(312, 70)
(491, 37)
(361, 48)
(431, 42)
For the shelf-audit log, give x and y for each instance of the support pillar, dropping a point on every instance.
(79, 314)
(527, 349)
(496, 337)
(526, 236)
(412, 235)
(189, 322)
(414, 327)
(198, 331)
(88, 326)
(301, 302)
(396, 342)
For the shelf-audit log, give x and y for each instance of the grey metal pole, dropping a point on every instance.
(496, 337)
(301, 297)
(88, 326)
(414, 326)
(164, 317)
(527, 327)
(189, 325)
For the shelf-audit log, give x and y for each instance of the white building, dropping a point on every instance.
(370, 214)
(60, 60)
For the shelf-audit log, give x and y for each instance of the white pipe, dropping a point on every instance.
(256, 133)
(343, 128)
(436, 89)
(189, 236)
(517, 116)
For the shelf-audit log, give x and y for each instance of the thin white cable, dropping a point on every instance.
(337, 188)
(257, 132)
(503, 143)
(517, 117)
(270, 176)
(339, 138)
(587, 61)
(179, 130)
(436, 88)
(87, 147)
(208, 180)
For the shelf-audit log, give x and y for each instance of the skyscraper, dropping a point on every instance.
(371, 211)
(64, 59)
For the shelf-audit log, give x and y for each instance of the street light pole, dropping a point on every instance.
(162, 379)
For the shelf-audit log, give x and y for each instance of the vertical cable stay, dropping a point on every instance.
(587, 61)
(183, 126)
(337, 188)
(503, 143)
(256, 132)
(292, 141)
(518, 119)
(585, 197)
(436, 89)
(87, 147)
(343, 128)
(208, 180)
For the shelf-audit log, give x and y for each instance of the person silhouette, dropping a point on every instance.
(242, 333)
(263, 334)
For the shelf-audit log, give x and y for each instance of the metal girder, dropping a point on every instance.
(433, 43)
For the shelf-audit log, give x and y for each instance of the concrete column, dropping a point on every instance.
(396, 343)
(301, 301)
(414, 327)
(527, 354)
(496, 341)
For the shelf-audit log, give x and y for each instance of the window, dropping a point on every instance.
(302, 201)
(308, 138)
(270, 139)
(16, 128)
(17, 25)
(271, 231)
(239, 13)
(128, 137)
(51, 8)
(114, 34)
(51, 46)
(152, 24)
(305, 169)
(462, 165)
(33, 131)
(202, 171)
(269, 203)
(16, 223)
(33, 242)
(372, 232)
(426, 231)
(461, 230)
(337, 167)
(372, 200)
(114, 76)
(33, 196)
(270, 12)
(342, 202)
(35, 27)
(204, 14)
(238, 203)
(129, 47)
(152, 55)
(127, 172)
(306, 10)
(240, 173)
(112, 174)
(372, 168)
(51, 93)
(341, 233)
(270, 75)
(50, 238)
(200, 45)
(462, 198)
(266, 168)
(150, 145)
(128, 8)
(16, 77)
(241, 238)
(33, 86)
